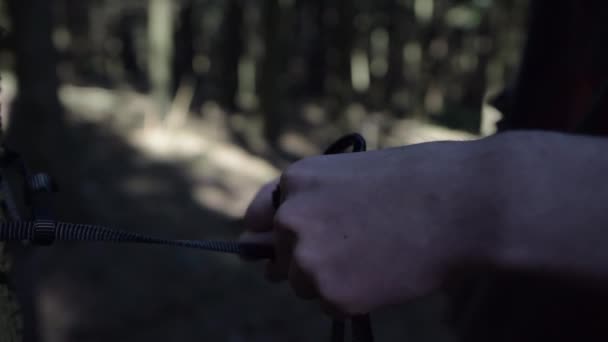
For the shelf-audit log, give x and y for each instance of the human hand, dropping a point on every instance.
(365, 230)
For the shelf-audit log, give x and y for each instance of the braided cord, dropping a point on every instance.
(44, 230)
(64, 231)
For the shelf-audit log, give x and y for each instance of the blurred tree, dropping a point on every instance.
(434, 59)
(473, 95)
(37, 111)
(229, 53)
(360, 75)
(128, 54)
(251, 61)
(160, 52)
(273, 84)
(183, 54)
(339, 16)
(313, 46)
(398, 29)
(76, 23)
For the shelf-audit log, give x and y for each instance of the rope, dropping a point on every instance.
(64, 231)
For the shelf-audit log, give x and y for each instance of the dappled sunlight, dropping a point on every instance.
(8, 93)
(208, 163)
(140, 185)
(123, 109)
(225, 176)
(298, 144)
(409, 131)
(163, 144)
(490, 116)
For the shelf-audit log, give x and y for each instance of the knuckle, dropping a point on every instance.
(284, 218)
(307, 259)
(289, 217)
(300, 175)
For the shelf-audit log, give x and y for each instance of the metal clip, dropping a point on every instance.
(44, 232)
(41, 182)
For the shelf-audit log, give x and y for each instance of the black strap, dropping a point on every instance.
(39, 191)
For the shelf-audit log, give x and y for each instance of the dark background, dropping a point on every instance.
(165, 116)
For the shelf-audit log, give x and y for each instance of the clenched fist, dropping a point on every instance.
(364, 230)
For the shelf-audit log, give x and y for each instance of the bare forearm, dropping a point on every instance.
(552, 194)
(365, 230)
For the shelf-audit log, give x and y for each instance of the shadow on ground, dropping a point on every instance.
(102, 292)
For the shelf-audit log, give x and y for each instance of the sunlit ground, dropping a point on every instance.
(201, 145)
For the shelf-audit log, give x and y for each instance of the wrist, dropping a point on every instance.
(549, 202)
(478, 218)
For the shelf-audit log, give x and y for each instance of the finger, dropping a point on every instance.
(259, 214)
(278, 269)
(302, 284)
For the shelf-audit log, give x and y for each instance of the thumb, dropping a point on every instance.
(260, 213)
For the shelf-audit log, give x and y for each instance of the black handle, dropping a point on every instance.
(362, 328)
(256, 251)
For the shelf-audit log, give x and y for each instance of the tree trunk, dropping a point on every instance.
(230, 51)
(313, 46)
(135, 73)
(271, 70)
(344, 44)
(36, 113)
(160, 52)
(398, 35)
(184, 45)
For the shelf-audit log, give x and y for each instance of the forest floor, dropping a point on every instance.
(185, 179)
